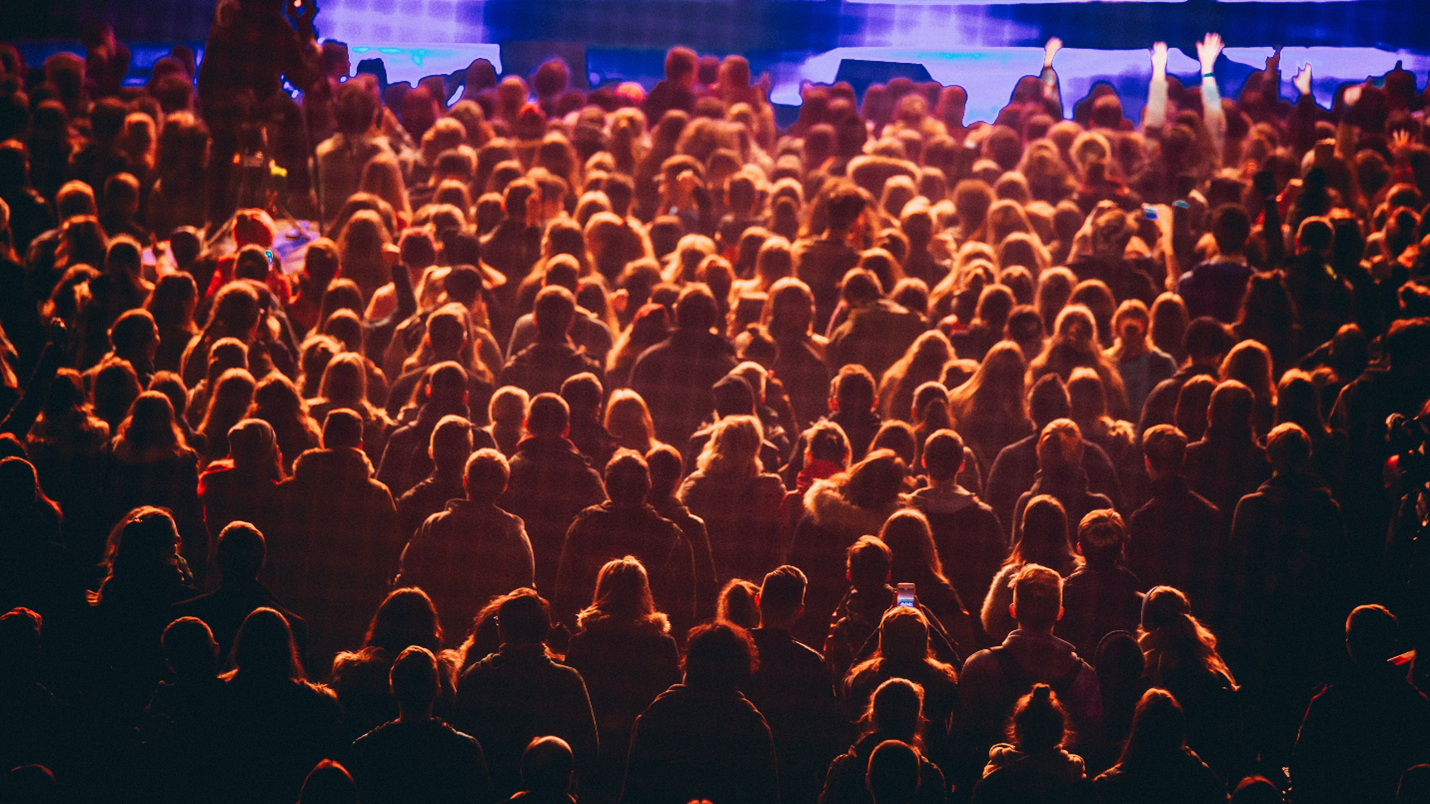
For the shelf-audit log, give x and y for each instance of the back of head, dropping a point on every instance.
(1256, 790)
(583, 394)
(413, 679)
(719, 656)
(1037, 597)
(546, 766)
(485, 476)
(1039, 721)
(1288, 447)
(1231, 227)
(1159, 727)
(854, 389)
(1165, 448)
(450, 443)
(1205, 338)
(19, 642)
(868, 561)
(329, 782)
(264, 648)
(904, 635)
(524, 618)
(782, 593)
(1048, 400)
(627, 478)
(1414, 786)
(240, 552)
(1059, 445)
(1231, 407)
(548, 416)
(695, 309)
(555, 310)
(342, 428)
(1372, 635)
(738, 604)
(666, 467)
(893, 773)
(1100, 536)
(943, 455)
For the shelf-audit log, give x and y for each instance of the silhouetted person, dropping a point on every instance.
(544, 365)
(1156, 765)
(519, 693)
(417, 755)
(1061, 476)
(239, 559)
(894, 713)
(473, 551)
(702, 739)
(1227, 463)
(328, 783)
(547, 770)
(550, 484)
(966, 532)
(674, 376)
(1172, 540)
(1361, 733)
(1034, 766)
(1100, 596)
(627, 525)
(181, 727)
(50, 735)
(449, 447)
(792, 689)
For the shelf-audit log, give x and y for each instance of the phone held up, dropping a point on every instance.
(904, 595)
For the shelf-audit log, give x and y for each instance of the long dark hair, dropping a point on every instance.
(264, 650)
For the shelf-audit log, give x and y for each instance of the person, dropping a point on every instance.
(1289, 535)
(583, 394)
(519, 693)
(328, 783)
(1035, 767)
(1044, 542)
(970, 542)
(822, 260)
(625, 653)
(359, 677)
(674, 377)
(837, 512)
(549, 361)
(894, 713)
(1205, 342)
(547, 771)
(626, 524)
(449, 448)
(1171, 537)
(39, 573)
(853, 406)
(702, 739)
(877, 331)
(52, 729)
(1157, 764)
(991, 406)
(179, 724)
(550, 484)
(242, 487)
(405, 459)
(1215, 287)
(1060, 475)
(1373, 722)
(995, 679)
(791, 688)
(239, 558)
(1100, 596)
(472, 551)
(915, 560)
(331, 562)
(1181, 657)
(272, 717)
(417, 754)
(743, 539)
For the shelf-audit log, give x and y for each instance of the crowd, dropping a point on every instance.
(622, 446)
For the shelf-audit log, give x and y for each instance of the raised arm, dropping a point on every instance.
(1207, 52)
(1052, 91)
(1156, 115)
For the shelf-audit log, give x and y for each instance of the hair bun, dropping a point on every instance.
(1042, 693)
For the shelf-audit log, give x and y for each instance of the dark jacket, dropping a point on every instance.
(550, 484)
(693, 744)
(1174, 540)
(419, 761)
(465, 556)
(516, 695)
(1071, 489)
(543, 366)
(844, 783)
(606, 532)
(674, 377)
(1049, 777)
(1178, 778)
(1214, 288)
(988, 691)
(1016, 468)
(741, 516)
(875, 335)
(971, 543)
(792, 690)
(225, 609)
(1224, 467)
(1096, 602)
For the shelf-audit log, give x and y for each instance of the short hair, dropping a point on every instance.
(893, 773)
(720, 655)
(1037, 596)
(583, 392)
(783, 589)
(826, 441)
(943, 454)
(1288, 447)
(860, 285)
(854, 384)
(451, 441)
(548, 415)
(546, 765)
(189, 646)
(844, 205)
(696, 308)
(868, 561)
(342, 428)
(508, 404)
(1206, 337)
(1100, 535)
(627, 477)
(1231, 228)
(524, 617)
(413, 678)
(1165, 448)
(241, 551)
(1048, 399)
(485, 475)
(554, 311)
(1372, 634)
(680, 62)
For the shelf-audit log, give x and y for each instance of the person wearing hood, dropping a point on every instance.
(550, 484)
(473, 551)
(837, 511)
(331, 562)
(1060, 475)
(966, 532)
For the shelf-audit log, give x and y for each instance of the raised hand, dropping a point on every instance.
(1302, 81)
(1159, 60)
(1352, 96)
(1050, 50)
(1399, 138)
(1273, 62)
(1207, 51)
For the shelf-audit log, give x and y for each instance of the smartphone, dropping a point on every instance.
(905, 595)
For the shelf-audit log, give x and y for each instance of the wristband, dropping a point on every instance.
(1208, 75)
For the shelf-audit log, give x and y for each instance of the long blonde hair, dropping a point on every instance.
(734, 448)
